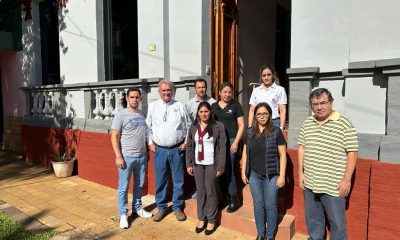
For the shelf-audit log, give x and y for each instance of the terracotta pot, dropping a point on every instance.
(63, 169)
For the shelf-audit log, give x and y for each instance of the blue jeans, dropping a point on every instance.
(276, 122)
(264, 193)
(166, 159)
(335, 207)
(228, 180)
(137, 166)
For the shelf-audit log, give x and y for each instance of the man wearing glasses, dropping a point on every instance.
(168, 122)
(327, 156)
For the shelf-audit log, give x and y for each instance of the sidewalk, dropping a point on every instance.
(80, 209)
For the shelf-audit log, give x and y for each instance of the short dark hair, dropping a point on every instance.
(133, 90)
(200, 80)
(226, 84)
(316, 93)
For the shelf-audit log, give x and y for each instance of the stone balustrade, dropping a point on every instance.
(89, 106)
(43, 103)
(108, 102)
(100, 101)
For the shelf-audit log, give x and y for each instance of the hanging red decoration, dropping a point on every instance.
(27, 8)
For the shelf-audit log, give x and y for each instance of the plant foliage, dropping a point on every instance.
(10, 230)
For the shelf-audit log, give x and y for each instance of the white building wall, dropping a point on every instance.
(366, 105)
(320, 34)
(185, 39)
(330, 34)
(374, 30)
(78, 42)
(151, 33)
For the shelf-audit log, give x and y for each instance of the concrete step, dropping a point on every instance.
(243, 219)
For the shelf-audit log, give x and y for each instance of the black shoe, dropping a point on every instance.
(199, 230)
(233, 205)
(269, 238)
(209, 232)
(260, 237)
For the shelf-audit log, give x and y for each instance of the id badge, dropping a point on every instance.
(200, 148)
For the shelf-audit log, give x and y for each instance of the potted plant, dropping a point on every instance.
(63, 164)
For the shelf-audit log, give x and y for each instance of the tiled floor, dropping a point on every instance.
(83, 209)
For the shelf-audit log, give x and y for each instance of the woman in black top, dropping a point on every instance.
(230, 113)
(264, 166)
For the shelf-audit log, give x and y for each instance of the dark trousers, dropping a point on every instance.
(207, 199)
(228, 178)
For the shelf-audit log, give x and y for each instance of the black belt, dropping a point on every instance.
(169, 147)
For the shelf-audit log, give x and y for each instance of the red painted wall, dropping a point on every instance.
(96, 161)
(373, 204)
(14, 73)
(384, 215)
(40, 145)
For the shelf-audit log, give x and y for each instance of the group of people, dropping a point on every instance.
(212, 137)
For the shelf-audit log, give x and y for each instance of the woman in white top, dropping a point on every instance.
(271, 93)
(205, 160)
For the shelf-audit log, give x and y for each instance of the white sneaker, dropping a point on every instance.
(143, 213)
(123, 222)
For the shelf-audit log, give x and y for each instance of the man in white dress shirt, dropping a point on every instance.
(168, 122)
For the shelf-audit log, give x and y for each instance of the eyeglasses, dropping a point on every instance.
(264, 114)
(322, 104)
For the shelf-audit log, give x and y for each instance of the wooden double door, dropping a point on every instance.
(224, 37)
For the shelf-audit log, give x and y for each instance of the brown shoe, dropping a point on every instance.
(180, 216)
(159, 216)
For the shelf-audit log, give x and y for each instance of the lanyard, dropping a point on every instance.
(200, 148)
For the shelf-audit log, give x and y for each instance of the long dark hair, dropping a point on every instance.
(273, 71)
(269, 128)
(211, 121)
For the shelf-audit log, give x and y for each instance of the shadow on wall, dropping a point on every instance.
(28, 55)
(61, 27)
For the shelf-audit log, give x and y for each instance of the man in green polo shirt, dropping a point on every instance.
(327, 156)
